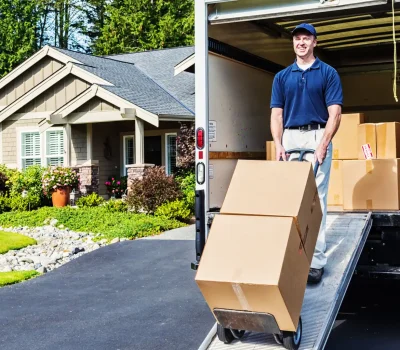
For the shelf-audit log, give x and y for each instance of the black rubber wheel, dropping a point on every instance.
(278, 339)
(237, 334)
(224, 334)
(292, 340)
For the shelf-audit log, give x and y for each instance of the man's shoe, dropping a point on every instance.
(315, 275)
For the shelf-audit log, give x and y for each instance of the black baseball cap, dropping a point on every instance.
(306, 26)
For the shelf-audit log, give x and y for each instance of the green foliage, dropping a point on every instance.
(177, 209)
(155, 189)
(5, 204)
(58, 177)
(116, 187)
(91, 200)
(13, 241)
(115, 205)
(30, 202)
(95, 220)
(9, 173)
(18, 25)
(7, 278)
(187, 183)
(137, 25)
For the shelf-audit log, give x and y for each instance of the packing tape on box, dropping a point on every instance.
(369, 166)
(336, 199)
(335, 165)
(241, 297)
(371, 136)
(369, 204)
(382, 139)
(336, 154)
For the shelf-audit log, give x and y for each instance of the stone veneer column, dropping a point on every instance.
(136, 171)
(89, 177)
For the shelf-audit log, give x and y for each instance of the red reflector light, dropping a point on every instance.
(200, 154)
(200, 138)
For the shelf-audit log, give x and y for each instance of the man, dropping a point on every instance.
(306, 105)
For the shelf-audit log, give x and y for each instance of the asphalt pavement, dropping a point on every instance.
(129, 295)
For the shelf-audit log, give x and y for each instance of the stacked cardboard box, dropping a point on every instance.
(365, 168)
(259, 249)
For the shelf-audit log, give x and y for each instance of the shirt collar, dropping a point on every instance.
(315, 65)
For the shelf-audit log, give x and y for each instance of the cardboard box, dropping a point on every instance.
(345, 141)
(277, 189)
(254, 263)
(271, 151)
(335, 190)
(367, 136)
(371, 184)
(388, 140)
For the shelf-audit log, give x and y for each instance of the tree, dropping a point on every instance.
(137, 25)
(186, 146)
(18, 32)
(95, 12)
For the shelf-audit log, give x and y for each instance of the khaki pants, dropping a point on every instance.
(311, 139)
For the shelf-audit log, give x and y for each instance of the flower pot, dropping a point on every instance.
(60, 197)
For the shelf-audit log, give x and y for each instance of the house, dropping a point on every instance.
(101, 115)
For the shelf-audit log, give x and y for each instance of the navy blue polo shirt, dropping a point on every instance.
(306, 95)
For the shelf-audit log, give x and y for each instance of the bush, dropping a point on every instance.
(177, 210)
(91, 200)
(187, 184)
(30, 202)
(115, 205)
(116, 187)
(58, 177)
(3, 183)
(5, 204)
(9, 174)
(29, 180)
(155, 189)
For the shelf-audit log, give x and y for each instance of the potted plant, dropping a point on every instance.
(58, 182)
(116, 188)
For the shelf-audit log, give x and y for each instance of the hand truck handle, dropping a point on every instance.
(302, 152)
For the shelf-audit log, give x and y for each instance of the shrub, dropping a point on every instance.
(116, 187)
(155, 189)
(29, 180)
(91, 200)
(3, 183)
(186, 146)
(59, 177)
(5, 204)
(9, 174)
(187, 184)
(177, 210)
(115, 205)
(29, 202)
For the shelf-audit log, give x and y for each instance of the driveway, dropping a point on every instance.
(130, 295)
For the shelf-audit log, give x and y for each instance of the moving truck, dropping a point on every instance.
(240, 46)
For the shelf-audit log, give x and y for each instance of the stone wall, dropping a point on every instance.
(89, 179)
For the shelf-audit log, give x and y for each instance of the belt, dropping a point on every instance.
(307, 127)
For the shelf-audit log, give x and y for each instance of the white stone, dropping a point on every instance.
(115, 240)
(53, 222)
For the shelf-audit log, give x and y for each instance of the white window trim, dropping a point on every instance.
(43, 157)
(124, 168)
(166, 150)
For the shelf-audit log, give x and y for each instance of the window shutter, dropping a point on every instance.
(171, 149)
(30, 149)
(55, 147)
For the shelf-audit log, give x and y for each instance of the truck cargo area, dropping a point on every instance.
(346, 236)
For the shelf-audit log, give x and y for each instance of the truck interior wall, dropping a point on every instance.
(239, 104)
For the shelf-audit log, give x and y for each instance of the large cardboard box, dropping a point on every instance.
(371, 184)
(335, 190)
(277, 189)
(254, 263)
(388, 140)
(345, 141)
(271, 151)
(367, 136)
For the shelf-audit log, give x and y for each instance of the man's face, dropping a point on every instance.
(304, 43)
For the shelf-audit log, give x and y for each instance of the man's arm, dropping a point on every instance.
(277, 132)
(332, 125)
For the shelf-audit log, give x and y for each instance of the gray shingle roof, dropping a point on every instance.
(159, 65)
(133, 84)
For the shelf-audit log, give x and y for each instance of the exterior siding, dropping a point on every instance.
(78, 144)
(9, 136)
(56, 96)
(29, 79)
(97, 105)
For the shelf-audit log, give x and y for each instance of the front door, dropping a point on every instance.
(152, 150)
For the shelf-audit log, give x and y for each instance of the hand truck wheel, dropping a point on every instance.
(292, 340)
(227, 335)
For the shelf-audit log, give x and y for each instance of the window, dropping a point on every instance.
(129, 152)
(45, 149)
(55, 148)
(170, 152)
(30, 152)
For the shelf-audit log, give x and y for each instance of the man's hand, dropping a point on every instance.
(280, 152)
(320, 153)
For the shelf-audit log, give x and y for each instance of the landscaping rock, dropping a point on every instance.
(53, 222)
(41, 269)
(115, 240)
(6, 268)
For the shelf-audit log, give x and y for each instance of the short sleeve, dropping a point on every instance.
(277, 96)
(333, 91)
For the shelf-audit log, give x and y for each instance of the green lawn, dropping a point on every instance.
(11, 241)
(15, 277)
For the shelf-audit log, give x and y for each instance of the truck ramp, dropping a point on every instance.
(346, 234)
